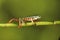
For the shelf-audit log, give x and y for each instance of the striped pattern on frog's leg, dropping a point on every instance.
(16, 20)
(13, 19)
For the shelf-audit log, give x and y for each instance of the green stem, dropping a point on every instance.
(29, 24)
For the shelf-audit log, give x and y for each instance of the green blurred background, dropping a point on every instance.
(48, 9)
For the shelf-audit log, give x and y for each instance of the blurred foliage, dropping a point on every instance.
(48, 9)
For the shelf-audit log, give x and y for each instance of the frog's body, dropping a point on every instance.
(32, 18)
(23, 20)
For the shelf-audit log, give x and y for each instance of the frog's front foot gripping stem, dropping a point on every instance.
(20, 25)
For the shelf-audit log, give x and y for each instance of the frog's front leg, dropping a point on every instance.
(33, 22)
